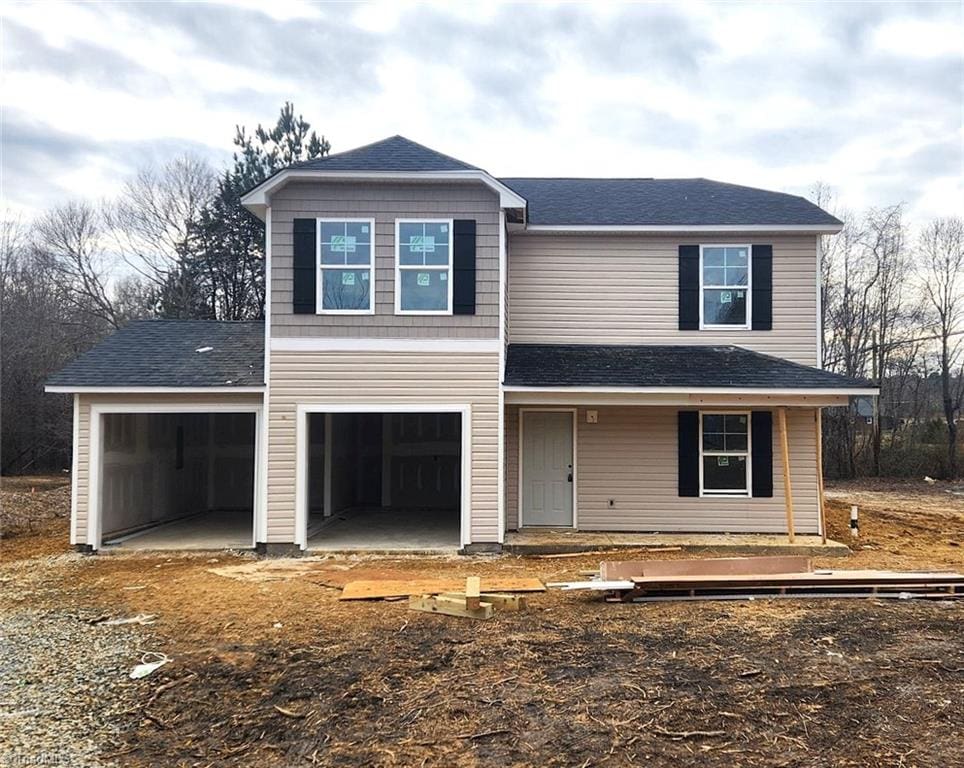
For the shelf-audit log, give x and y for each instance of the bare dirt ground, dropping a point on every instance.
(282, 673)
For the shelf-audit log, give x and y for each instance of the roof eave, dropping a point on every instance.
(139, 390)
(795, 392)
(258, 199)
(562, 229)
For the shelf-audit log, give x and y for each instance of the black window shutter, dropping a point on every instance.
(463, 267)
(761, 264)
(761, 434)
(688, 465)
(689, 287)
(305, 268)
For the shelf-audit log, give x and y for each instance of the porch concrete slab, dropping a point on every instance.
(388, 531)
(549, 542)
(204, 531)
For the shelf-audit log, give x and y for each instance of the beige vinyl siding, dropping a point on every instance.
(83, 441)
(630, 456)
(403, 378)
(623, 289)
(386, 202)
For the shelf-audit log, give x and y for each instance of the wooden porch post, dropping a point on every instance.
(785, 452)
(818, 427)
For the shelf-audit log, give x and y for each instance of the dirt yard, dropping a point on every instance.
(280, 673)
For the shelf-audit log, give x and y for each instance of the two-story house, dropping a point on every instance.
(448, 358)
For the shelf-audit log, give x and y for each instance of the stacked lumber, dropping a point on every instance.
(743, 578)
(450, 597)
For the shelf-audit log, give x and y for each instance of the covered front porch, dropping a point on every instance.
(708, 458)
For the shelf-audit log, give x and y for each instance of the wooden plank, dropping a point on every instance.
(818, 426)
(501, 601)
(473, 585)
(785, 453)
(817, 578)
(705, 566)
(374, 590)
(449, 606)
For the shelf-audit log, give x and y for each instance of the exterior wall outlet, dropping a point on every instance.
(592, 417)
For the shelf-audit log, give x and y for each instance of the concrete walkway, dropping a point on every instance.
(544, 541)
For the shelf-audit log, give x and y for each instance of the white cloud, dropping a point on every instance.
(866, 97)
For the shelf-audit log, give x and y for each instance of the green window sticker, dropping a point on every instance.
(347, 278)
(423, 279)
(725, 298)
(722, 461)
(343, 243)
(421, 243)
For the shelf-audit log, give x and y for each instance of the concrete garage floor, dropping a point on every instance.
(207, 530)
(387, 530)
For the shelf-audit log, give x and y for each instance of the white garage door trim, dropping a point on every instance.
(301, 455)
(96, 451)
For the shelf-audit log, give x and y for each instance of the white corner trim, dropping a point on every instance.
(156, 390)
(322, 344)
(260, 197)
(500, 454)
(261, 507)
(819, 302)
(825, 229)
(74, 464)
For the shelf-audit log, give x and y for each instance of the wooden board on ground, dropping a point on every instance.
(817, 578)
(375, 590)
(450, 606)
(627, 569)
(501, 601)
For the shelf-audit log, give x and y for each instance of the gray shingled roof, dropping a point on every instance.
(655, 202)
(393, 154)
(591, 365)
(164, 353)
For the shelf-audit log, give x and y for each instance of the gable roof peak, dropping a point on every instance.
(395, 153)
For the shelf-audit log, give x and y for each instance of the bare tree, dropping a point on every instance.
(70, 240)
(941, 254)
(152, 221)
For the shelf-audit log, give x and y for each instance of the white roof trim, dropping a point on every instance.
(823, 229)
(857, 391)
(157, 390)
(259, 198)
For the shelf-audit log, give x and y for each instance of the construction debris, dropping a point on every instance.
(758, 577)
(450, 606)
(385, 588)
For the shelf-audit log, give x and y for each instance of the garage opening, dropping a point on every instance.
(384, 481)
(177, 480)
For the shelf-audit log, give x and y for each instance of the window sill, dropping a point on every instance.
(724, 494)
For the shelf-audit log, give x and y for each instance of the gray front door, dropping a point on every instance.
(547, 468)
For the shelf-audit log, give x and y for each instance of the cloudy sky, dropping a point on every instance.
(867, 97)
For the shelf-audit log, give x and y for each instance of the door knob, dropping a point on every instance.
(569, 478)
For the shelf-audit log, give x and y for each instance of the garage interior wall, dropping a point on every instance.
(163, 466)
(397, 460)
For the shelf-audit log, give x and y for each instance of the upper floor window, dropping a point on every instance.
(725, 286)
(423, 266)
(346, 266)
(724, 454)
